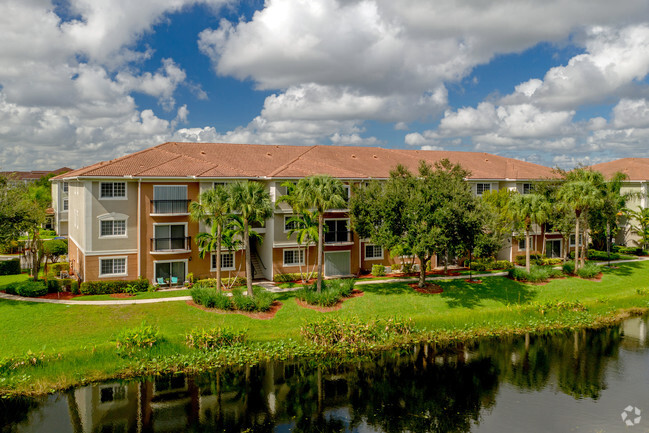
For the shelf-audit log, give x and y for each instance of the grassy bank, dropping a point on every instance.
(77, 342)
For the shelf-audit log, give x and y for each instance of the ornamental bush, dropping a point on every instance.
(56, 268)
(10, 267)
(29, 288)
(332, 292)
(535, 259)
(214, 338)
(208, 297)
(589, 270)
(109, 287)
(234, 281)
(287, 278)
(378, 270)
(143, 337)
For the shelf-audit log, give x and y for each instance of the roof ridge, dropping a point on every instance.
(285, 166)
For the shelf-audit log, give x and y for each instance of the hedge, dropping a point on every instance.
(535, 259)
(109, 287)
(238, 281)
(29, 288)
(10, 267)
(56, 268)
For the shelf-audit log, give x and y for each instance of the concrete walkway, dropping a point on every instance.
(268, 285)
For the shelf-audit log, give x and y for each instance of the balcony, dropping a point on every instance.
(169, 207)
(171, 245)
(338, 237)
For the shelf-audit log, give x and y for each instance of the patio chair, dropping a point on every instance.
(161, 281)
(174, 281)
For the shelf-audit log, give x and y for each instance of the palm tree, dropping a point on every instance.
(580, 193)
(321, 193)
(305, 227)
(233, 239)
(529, 209)
(251, 202)
(212, 209)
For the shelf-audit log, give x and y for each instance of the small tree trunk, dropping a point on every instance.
(246, 243)
(320, 252)
(527, 249)
(422, 271)
(218, 257)
(584, 244)
(577, 244)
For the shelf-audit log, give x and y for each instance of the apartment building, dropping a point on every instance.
(129, 217)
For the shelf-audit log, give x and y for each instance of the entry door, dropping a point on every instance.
(337, 263)
(170, 269)
(553, 248)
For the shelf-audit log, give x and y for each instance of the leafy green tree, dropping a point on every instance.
(499, 222)
(320, 193)
(251, 202)
(213, 210)
(580, 193)
(641, 227)
(305, 228)
(603, 220)
(529, 209)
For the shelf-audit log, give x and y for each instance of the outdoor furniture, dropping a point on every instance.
(174, 281)
(161, 282)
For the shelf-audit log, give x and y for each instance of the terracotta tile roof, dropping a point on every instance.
(33, 175)
(634, 168)
(208, 160)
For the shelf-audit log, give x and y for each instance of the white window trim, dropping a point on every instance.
(125, 197)
(114, 275)
(572, 244)
(234, 261)
(372, 258)
(286, 217)
(113, 216)
(530, 189)
(483, 191)
(65, 187)
(65, 206)
(519, 244)
(186, 261)
(300, 253)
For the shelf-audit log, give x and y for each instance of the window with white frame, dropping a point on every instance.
(293, 257)
(290, 223)
(481, 188)
(112, 228)
(521, 244)
(64, 186)
(373, 252)
(112, 266)
(528, 188)
(112, 190)
(227, 261)
(572, 240)
(65, 204)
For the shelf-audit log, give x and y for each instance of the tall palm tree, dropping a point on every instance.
(251, 202)
(321, 193)
(305, 227)
(529, 209)
(212, 209)
(580, 193)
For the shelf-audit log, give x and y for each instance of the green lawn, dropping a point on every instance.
(77, 331)
(139, 295)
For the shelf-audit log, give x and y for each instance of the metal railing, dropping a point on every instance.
(169, 206)
(171, 244)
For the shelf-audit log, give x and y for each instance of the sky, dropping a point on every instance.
(559, 83)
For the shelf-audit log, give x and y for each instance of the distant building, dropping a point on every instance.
(31, 176)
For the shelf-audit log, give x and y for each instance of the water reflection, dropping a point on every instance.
(418, 390)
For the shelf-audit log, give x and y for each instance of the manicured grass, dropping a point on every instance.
(6, 279)
(139, 295)
(84, 335)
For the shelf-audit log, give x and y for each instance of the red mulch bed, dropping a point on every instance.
(355, 294)
(63, 296)
(265, 315)
(120, 295)
(428, 289)
(412, 274)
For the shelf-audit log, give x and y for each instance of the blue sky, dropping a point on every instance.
(557, 83)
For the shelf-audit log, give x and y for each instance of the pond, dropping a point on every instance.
(573, 382)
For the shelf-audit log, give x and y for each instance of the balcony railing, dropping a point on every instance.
(169, 206)
(337, 236)
(171, 244)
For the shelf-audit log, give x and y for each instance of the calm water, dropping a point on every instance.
(577, 382)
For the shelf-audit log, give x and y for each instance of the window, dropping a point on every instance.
(170, 237)
(111, 267)
(64, 186)
(528, 188)
(290, 224)
(293, 257)
(336, 231)
(572, 240)
(227, 261)
(65, 204)
(373, 252)
(112, 393)
(113, 228)
(170, 199)
(218, 184)
(481, 188)
(112, 190)
(521, 245)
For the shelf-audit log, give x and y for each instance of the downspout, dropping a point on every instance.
(139, 213)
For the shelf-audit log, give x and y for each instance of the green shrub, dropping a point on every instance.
(214, 338)
(234, 281)
(143, 337)
(74, 287)
(560, 306)
(333, 331)
(44, 233)
(589, 270)
(242, 302)
(406, 268)
(477, 266)
(502, 264)
(53, 285)
(537, 274)
(109, 287)
(56, 268)
(568, 268)
(636, 251)
(28, 289)
(332, 292)
(10, 267)
(208, 297)
(551, 261)
(378, 270)
(535, 259)
(287, 278)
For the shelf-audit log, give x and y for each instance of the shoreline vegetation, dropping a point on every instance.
(49, 347)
